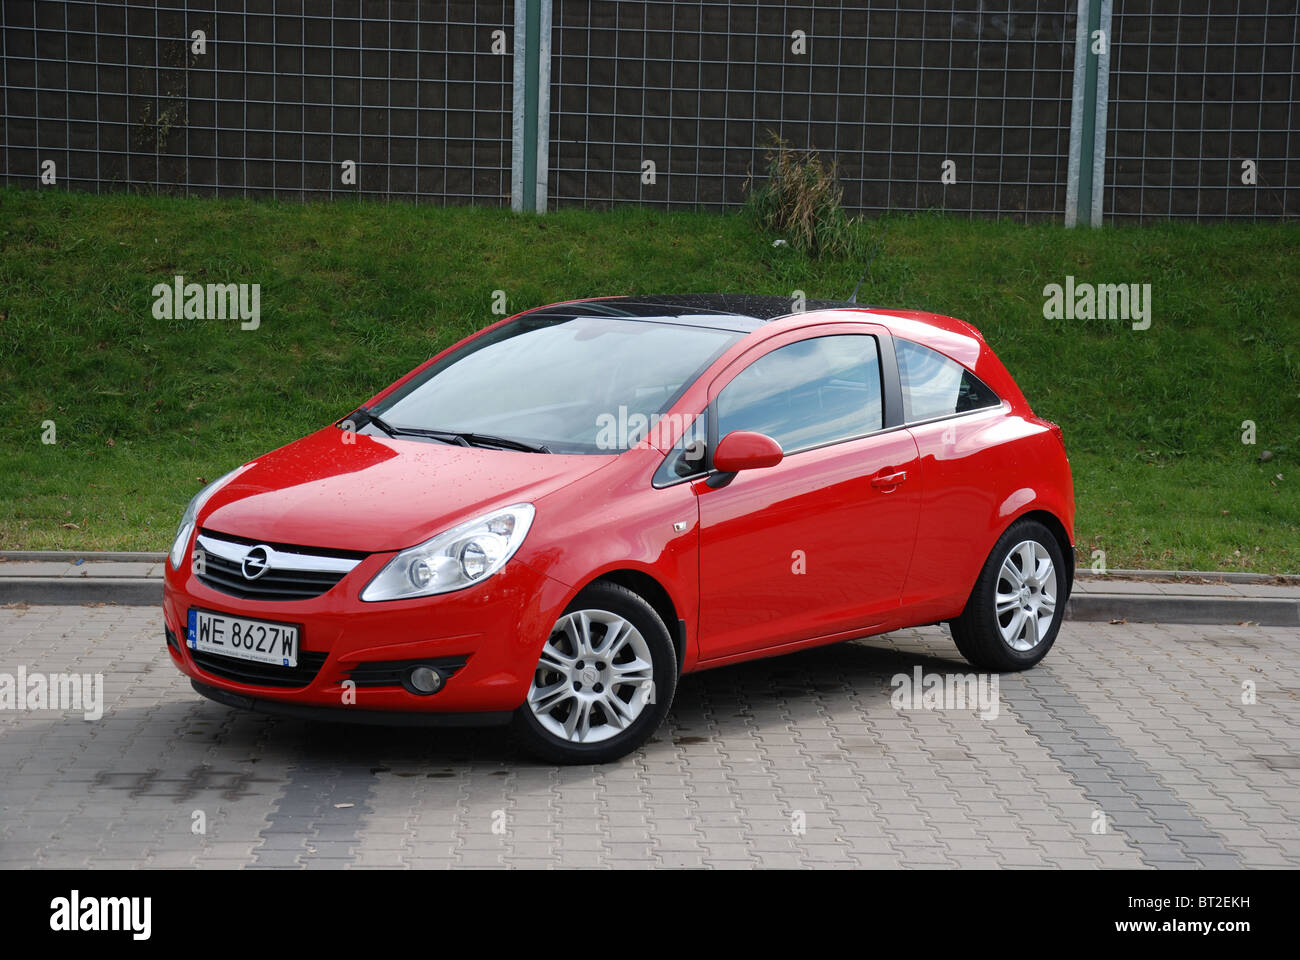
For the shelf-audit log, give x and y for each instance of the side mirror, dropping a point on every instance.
(746, 450)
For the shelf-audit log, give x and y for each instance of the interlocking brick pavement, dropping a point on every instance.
(800, 761)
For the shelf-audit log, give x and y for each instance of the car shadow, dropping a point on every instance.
(722, 703)
(209, 751)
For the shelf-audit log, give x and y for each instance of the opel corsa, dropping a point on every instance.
(550, 522)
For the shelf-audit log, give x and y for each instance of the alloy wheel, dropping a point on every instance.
(1025, 599)
(593, 679)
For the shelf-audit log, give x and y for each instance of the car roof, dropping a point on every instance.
(738, 312)
(746, 313)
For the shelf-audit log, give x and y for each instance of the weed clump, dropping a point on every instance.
(801, 202)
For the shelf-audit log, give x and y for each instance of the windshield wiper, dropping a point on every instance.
(487, 440)
(463, 439)
(368, 417)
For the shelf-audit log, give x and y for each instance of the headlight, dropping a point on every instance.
(459, 558)
(191, 515)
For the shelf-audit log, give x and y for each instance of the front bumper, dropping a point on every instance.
(495, 629)
(387, 718)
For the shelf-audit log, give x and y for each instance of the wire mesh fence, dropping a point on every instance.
(1202, 114)
(278, 99)
(961, 106)
(891, 94)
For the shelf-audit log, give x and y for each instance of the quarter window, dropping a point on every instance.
(935, 386)
(687, 458)
(808, 393)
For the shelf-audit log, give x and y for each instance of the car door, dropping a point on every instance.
(820, 543)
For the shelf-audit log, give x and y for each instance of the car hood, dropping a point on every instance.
(376, 494)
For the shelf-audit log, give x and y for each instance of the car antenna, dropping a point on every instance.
(853, 297)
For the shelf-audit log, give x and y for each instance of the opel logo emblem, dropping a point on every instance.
(256, 562)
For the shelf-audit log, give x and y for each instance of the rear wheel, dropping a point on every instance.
(603, 683)
(1014, 612)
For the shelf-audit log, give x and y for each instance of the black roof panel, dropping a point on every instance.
(735, 311)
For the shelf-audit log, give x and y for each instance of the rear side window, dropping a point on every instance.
(935, 386)
(807, 393)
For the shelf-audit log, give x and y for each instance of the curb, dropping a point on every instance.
(1084, 607)
(1083, 573)
(125, 591)
(23, 556)
(1147, 608)
(1175, 576)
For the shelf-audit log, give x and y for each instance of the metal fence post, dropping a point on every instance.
(1101, 95)
(1086, 174)
(532, 105)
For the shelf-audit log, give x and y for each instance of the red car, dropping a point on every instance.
(551, 521)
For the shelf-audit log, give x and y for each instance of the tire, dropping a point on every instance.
(575, 679)
(999, 635)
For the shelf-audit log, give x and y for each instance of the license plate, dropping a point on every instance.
(259, 640)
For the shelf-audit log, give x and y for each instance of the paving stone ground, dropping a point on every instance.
(799, 761)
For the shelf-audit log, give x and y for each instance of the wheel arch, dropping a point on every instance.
(654, 593)
(1057, 528)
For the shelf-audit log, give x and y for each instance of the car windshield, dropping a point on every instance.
(570, 384)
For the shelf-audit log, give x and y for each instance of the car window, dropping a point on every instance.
(581, 384)
(808, 393)
(687, 457)
(935, 386)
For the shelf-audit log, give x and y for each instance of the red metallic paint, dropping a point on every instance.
(806, 548)
(746, 450)
(881, 550)
(380, 493)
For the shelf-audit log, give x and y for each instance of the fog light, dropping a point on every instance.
(424, 680)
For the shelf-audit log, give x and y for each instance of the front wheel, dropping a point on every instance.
(603, 683)
(1014, 612)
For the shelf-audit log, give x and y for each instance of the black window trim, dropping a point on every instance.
(1001, 407)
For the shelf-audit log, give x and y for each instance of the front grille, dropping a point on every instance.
(389, 673)
(225, 575)
(292, 573)
(262, 674)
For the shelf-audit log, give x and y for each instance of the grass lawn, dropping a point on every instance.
(353, 295)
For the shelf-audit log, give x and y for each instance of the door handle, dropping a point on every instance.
(889, 479)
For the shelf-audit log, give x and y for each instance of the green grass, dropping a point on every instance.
(354, 295)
